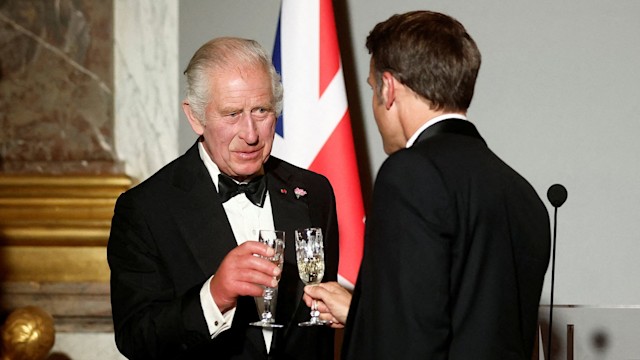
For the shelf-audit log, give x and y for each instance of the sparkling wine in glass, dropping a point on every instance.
(310, 258)
(275, 240)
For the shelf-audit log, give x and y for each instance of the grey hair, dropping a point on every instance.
(222, 53)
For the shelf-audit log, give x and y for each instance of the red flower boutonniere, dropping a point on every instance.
(299, 192)
(283, 191)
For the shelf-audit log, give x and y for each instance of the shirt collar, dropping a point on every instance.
(436, 119)
(213, 169)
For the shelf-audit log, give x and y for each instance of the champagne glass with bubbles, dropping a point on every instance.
(275, 240)
(310, 258)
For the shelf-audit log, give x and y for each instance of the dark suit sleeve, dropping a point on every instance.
(150, 320)
(400, 308)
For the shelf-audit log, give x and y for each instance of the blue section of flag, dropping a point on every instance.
(277, 63)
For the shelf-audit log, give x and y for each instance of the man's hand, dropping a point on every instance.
(333, 302)
(243, 274)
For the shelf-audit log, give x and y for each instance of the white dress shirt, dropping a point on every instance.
(245, 219)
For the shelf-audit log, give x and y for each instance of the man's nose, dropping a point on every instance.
(249, 131)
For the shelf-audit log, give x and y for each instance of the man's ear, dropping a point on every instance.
(388, 89)
(195, 123)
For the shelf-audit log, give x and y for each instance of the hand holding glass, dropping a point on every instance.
(275, 240)
(310, 258)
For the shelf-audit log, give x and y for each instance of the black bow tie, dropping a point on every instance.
(255, 190)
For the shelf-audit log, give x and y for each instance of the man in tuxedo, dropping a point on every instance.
(457, 243)
(185, 278)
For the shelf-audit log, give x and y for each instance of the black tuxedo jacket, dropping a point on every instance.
(456, 249)
(169, 235)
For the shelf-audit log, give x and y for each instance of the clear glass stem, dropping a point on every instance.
(314, 311)
(268, 296)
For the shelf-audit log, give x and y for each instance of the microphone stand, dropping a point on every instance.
(557, 195)
(553, 273)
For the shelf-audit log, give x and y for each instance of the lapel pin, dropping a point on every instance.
(299, 192)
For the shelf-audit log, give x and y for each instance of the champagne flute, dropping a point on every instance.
(310, 258)
(275, 240)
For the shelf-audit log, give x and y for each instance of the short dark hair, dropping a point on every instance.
(429, 52)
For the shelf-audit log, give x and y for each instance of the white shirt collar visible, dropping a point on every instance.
(245, 218)
(436, 119)
(213, 169)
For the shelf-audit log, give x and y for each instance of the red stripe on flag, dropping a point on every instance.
(337, 161)
(329, 50)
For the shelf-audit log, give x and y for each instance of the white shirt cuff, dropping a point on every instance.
(216, 321)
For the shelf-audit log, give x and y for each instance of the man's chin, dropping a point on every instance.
(248, 172)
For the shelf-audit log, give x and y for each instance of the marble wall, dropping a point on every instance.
(146, 83)
(56, 86)
(88, 86)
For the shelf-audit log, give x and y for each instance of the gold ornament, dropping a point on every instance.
(27, 334)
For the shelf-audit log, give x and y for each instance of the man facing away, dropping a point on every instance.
(457, 243)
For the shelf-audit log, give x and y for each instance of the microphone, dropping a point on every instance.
(557, 195)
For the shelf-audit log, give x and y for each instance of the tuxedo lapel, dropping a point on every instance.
(289, 213)
(450, 126)
(203, 221)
